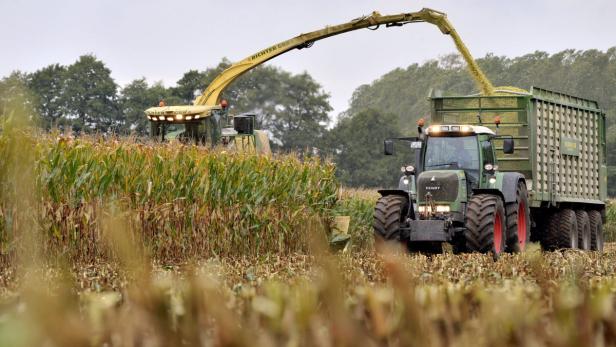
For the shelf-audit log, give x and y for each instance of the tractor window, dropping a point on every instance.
(488, 153)
(452, 153)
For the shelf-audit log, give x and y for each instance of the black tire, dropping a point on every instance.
(518, 237)
(562, 231)
(583, 224)
(388, 217)
(596, 230)
(485, 224)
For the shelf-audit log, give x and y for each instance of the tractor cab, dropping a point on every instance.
(451, 161)
(456, 161)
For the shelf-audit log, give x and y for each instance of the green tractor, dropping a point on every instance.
(470, 189)
(456, 194)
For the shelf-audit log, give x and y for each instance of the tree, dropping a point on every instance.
(135, 98)
(47, 85)
(191, 84)
(300, 117)
(90, 96)
(357, 148)
(15, 98)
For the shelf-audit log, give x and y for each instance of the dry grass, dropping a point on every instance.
(360, 298)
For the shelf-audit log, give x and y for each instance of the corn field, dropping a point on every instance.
(182, 202)
(119, 243)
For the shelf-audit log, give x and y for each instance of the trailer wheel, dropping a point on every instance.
(596, 230)
(485, 224)
(518, 221)
(388, 216)
(562, 231)
(583, 224)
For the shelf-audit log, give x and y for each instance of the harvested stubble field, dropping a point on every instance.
(123, 244)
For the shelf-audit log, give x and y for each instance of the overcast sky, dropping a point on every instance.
(160, 40)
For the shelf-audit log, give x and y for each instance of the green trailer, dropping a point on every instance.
(494, 172)
(560, 142)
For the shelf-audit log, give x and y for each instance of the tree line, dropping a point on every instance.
(84, 98)
(295, 110)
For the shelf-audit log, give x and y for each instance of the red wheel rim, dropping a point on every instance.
(522, 226)
(498, 233)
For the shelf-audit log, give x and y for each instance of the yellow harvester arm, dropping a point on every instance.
(211, 95)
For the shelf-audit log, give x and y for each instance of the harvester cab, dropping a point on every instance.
(457, 195)
(207, 125)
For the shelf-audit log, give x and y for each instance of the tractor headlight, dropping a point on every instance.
(438, 209)
(489, 167)
(405, 181)
(442, 208)
(408, 170)
(179, 116)
(492, 180)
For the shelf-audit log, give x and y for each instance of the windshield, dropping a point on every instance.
(452, 153)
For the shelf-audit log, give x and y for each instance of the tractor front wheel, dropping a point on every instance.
(485, 224)
(389, 214)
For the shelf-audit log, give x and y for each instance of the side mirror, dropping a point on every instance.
(388, 147)
(244, 124)
(508, 146)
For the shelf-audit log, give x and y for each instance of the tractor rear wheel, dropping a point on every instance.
(485, 224)
(583, 224)
(389, 213)
(562, 231)
(518, 221)
(596, 230)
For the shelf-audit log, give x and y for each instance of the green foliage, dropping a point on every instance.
(190, 85)
(47, 86)
(90, 95)
(357, 148)
(359, 205)
(15, 98)
(299, 118)
(137, 96)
